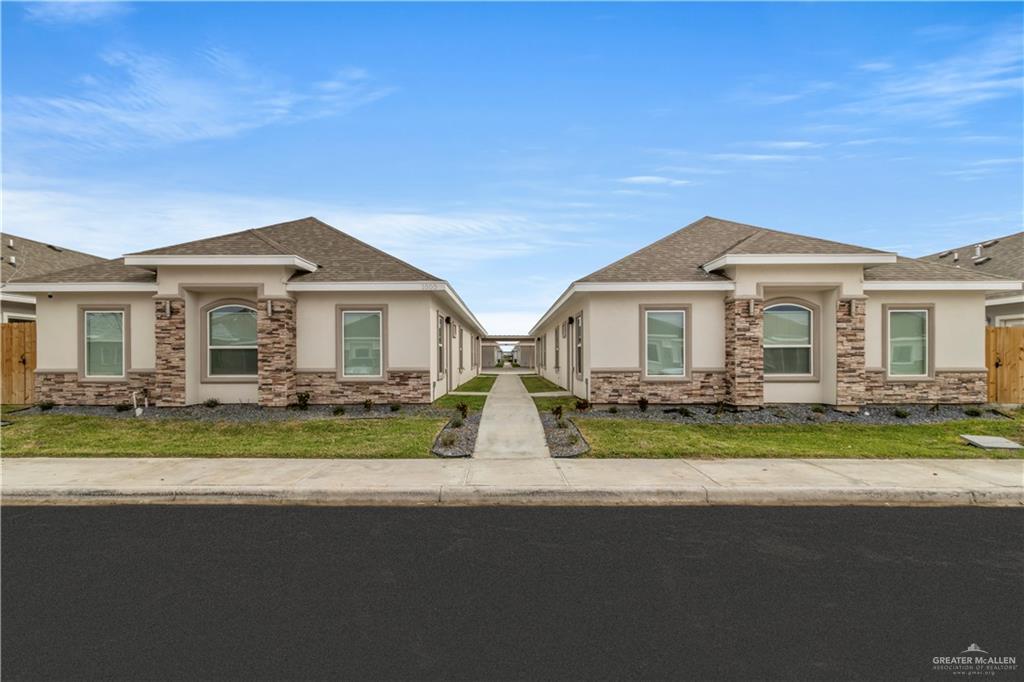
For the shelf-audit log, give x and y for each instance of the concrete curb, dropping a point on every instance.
(485, 496)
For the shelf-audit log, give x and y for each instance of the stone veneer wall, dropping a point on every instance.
(169, 383)
(851, 376)
(627, 387)
(947, 387)
(401, 387)
(744, 357)
(64, 388)
(275, 338)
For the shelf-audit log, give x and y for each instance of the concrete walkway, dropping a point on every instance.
(514, 481)
(510, 427)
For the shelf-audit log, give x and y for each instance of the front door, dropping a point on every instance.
(448, 345)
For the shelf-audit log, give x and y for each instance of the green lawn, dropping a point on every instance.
(538, 384)
(631, 438)
(567, 402)
(475, 402)
(479, 384)
(75, 436)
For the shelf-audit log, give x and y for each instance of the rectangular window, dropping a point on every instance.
(665, 340)
(579, 344)
(788, 339)
(440, 345)
(361, 347)
(557, 343)
(462, 362)
(104, 343)
(908, 343)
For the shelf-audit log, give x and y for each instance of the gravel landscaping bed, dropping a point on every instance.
(563, 442)
(246, 412)
(457, 441)
(794, 414)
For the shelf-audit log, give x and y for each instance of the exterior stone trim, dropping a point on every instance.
(744, 356)
(954, 388)
(851, 376)
(169, 330)
(629, 386)
(275, 339)
(65, 388)
(401, 387)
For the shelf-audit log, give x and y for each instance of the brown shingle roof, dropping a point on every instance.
(679, 256)
(34, 258)
(1004, 257)
(340, 257)
(910, 269)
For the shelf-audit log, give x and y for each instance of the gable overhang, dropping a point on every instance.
(590, 287)
(155, 261)
(439, 287)
(938, 285)
(733, 259)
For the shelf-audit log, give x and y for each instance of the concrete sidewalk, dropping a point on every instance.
(514, 482)
(510, 425)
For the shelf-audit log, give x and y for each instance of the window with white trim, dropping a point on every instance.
(579, 344)
(104, 343)
(788, 339)
(362, 349)
(440, 345)
(231, 341)
(665, 340)
(462, 361)
(908, 343)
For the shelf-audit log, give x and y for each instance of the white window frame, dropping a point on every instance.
(380, 339)
(809, 346)
(686, 321)
(440, 346)
(210, 348)
(85, 345)
(927, 343)
(580, 340)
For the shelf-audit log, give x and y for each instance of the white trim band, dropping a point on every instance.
(50, 287)
(924, 285)
(17, 298)
(149, 261)
(799, 259)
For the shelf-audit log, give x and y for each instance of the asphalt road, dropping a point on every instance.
(491, 593)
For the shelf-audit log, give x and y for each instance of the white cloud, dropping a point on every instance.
(654, 180)
(874, 66)
(788, 144)
(509, 322)
(760, 157)
(74, 12)
(141, 99)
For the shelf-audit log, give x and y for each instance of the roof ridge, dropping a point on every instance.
(758, 230)
(370, 246)
(270, 242)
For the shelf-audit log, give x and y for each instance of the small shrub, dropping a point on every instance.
(46, 405)
(456, 422)
(448, 439)
(614, 409)
(643, 403)
(302, 400)
(338, 410)
(395, 407)
(211, 403)
(463, 409)
(582, 404)
(719, 408)
(818, 409)
(900, 413)
(684, 411)
(557, 410)
(368, 404)
(934, 408)
(972, 412)
(123, 407)
(561, 424)
(573, 438)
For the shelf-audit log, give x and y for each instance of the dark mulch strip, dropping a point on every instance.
(793, 414)
(563, 442)
(465, 438)
(247, 412)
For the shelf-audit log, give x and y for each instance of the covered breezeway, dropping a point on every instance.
(508, 351)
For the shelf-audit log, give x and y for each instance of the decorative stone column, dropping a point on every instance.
(851, 377)
(169, 384)
(275, 338)
(744, 356)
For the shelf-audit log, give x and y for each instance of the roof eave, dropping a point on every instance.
(51, 287)
(943, 285)
(157, 260)
(731, 259)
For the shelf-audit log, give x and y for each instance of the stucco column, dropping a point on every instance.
(275, 338)
(170, 352)
(744, 356)
(851, 377)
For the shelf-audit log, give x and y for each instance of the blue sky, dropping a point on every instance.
(511, 148)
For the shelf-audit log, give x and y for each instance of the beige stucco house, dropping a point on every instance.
(725, 312)
(22, 260)
(1002, 256)
(256, 316)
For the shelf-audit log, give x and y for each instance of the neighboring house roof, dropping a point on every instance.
(679, 256)
(339, 256)
(32, 258)
(1000, 256)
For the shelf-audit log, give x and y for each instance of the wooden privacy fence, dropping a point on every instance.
(18, 355)
(1004, 357)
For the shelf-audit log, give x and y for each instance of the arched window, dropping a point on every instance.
(231, 341)
(788, 339)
